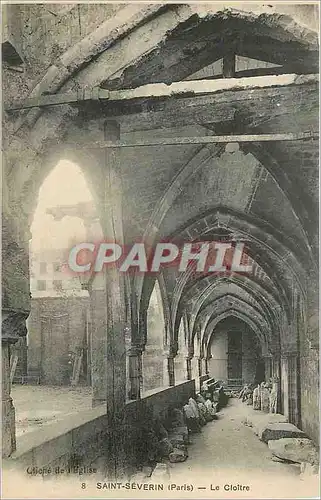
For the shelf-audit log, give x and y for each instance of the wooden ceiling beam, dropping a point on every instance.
(160, 91)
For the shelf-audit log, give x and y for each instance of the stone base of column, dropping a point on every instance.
(8, 411)
(8, 428)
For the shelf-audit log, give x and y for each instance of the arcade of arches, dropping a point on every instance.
(160, 330)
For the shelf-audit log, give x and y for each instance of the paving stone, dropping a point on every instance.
(280, 430)
(259, 420)
(295, 449)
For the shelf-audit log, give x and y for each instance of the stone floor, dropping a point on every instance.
(39, 405)
(227, 452)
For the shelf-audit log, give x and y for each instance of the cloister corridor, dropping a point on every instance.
(193, 131)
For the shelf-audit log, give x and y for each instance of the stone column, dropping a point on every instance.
(13, 326)
(207, 368)
(276, 375)
(290, 393)
(169, 365)
(8, 411)
(171, 370)
(188, 360)
(15, 309)
(116, 319)
(135, 371)
(268, 366)
(200, 366)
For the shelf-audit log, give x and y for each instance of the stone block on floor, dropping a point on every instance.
(177, 456)
(176, 439)
(258, 421)
(307, 469)
(279, 430)
(295, 449)
(160, 473)
(180, 431)
(165, 447)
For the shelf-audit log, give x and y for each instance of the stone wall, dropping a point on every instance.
(56, 327)
(82, 438)
(219, 349)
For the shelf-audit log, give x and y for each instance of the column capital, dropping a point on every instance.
(13, 325)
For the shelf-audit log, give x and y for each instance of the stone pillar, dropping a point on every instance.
(268, 366)
(135, 371)
(15, 308)
(169, 365)
(13, 326)
(8, 411)
(200, 366)
(289, 386)
(188, 368)
(276, 375)
(171, 370)
(98, 343)
(207, 368)
(116, 319)
(276, 365)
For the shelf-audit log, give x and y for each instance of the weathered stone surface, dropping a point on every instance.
(177, 418)
(211, 407)
(265, 399)
(176, 439)
(204, 413)
(193, 405)
(258, 421)
(280, 430)
(159, 429)
(307, 469)
(192, 418)
(177, 456)
(165, 447)
(147, 470)
(295, 449)
(257, 398)
(181, 432)
(139, 477)
(200, 399)
(160, 473)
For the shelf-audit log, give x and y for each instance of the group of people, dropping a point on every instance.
(263, 396)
